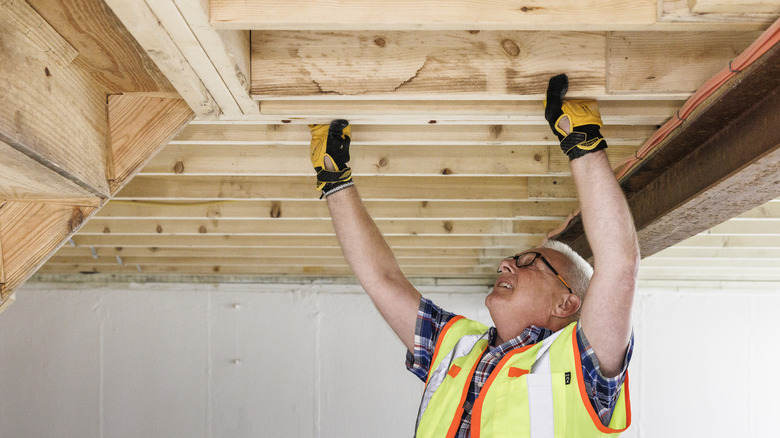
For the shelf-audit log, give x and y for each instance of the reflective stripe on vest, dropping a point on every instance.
(549, 399)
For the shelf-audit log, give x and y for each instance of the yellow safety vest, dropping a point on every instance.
(535, 391)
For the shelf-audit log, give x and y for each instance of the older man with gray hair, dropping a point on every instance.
(554, 364)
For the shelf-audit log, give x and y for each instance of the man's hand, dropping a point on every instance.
(576, 123)
(329, 155)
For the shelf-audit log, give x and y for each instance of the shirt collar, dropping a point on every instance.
(531, 335)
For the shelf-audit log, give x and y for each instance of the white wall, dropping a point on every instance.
(243, 360)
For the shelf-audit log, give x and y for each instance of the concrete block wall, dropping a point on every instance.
(274, 360)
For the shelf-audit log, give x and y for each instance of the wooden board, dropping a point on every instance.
(22, 177)
(24, 19)
(732, 7)
(391, 135)
(31, 232)
(139, 127)
(55, 114)
(422, 64)
(108, 53)
(669, 62)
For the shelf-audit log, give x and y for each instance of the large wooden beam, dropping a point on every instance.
(459, 15)
(723, 161)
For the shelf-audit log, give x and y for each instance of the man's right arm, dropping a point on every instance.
(374, 264)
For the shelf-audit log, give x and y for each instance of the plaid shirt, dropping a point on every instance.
(431, 319)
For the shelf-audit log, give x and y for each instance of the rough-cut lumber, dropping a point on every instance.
(411, 227)
(139, 127)
(531, 210)
(679, 15)
(107, 52)
(422, 65)
(146, 29)
(724, 161)
(171, 19)
(55, 115)
(390, 135)
(385, 160)
(228, 51)
(371, 187)
(735, 7)
(472, 112)
(669, 62)
(564, 15)
(510, 242)
(23, 18)
(31, 232)
(22, 177)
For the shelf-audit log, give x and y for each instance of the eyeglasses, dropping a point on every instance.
(528, 259)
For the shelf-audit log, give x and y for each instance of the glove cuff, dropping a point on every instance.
(332, 188)
(584, 140)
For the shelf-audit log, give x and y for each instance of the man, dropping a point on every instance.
(555, 362)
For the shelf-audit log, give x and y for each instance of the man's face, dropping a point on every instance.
(527, 295)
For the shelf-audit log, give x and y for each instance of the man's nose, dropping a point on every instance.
(506, 265)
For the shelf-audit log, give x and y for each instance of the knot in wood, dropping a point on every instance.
(106, 230)
(178, 167)
(276, 209)
(216, 269)
(448, 226)
(425, 204)
(202, 229)
(159, 228)
(446, 171)
(432, 122)
(473, 32)
(383, 162)
(510, 47)
(537, 157)
(379, 41)
(76, 218)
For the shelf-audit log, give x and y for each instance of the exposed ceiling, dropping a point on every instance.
(450, 149)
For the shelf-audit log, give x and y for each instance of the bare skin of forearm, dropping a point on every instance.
(374, 264)
(606, 311)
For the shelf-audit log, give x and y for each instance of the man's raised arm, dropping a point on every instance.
(365, 249)
(609, 227)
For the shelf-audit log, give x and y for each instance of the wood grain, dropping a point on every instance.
(20, 16)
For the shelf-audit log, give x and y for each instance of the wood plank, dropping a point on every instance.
(679, 14)
(31, 232)
(723, 263)
(762, 227)
(228, 51)
(473, 112)
(509, 242)
(769, 210)
(668, 62)
(744, 242)
(171, 19)
(23, 18)
(146, 29)
(54, 115)
(422, 64)
(293, 270)
(139, 127)
(371, 187)
(107, 52)
(704, 274)
(432, 15)
(411, 227)
(122, 209)
(731, 7)
(711, 253)
(390, 135)
(551, 187)
(25, 178)
(233, 160)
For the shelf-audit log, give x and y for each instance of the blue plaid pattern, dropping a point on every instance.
(431, 319)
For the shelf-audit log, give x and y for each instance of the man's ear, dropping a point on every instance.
(567, 306)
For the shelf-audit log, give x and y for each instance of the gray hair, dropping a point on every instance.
(581, 271)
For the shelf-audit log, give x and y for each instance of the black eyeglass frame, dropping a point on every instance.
(537, 255)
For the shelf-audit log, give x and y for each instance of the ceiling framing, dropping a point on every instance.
(450, 149)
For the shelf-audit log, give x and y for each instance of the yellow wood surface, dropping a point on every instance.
(20, 16)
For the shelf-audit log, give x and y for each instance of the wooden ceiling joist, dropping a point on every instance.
(723, 161)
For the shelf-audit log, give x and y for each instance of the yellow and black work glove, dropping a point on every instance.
(331, 141)
(584, 119)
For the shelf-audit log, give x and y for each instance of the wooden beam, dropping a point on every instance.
(472, 112)
(679, 15)
(228, 50)
(38, 98)
(391, 135)
(669, 62)
(724, 161)
(541, 210)
(30, 233)
(425, 65)
(23, 18)
(139, 127)
(145, 27)
(26, 178)
(509, 188)
(461, 15)
(732, 7)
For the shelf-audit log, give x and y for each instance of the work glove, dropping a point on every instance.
(584, 118)
(331, 141)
